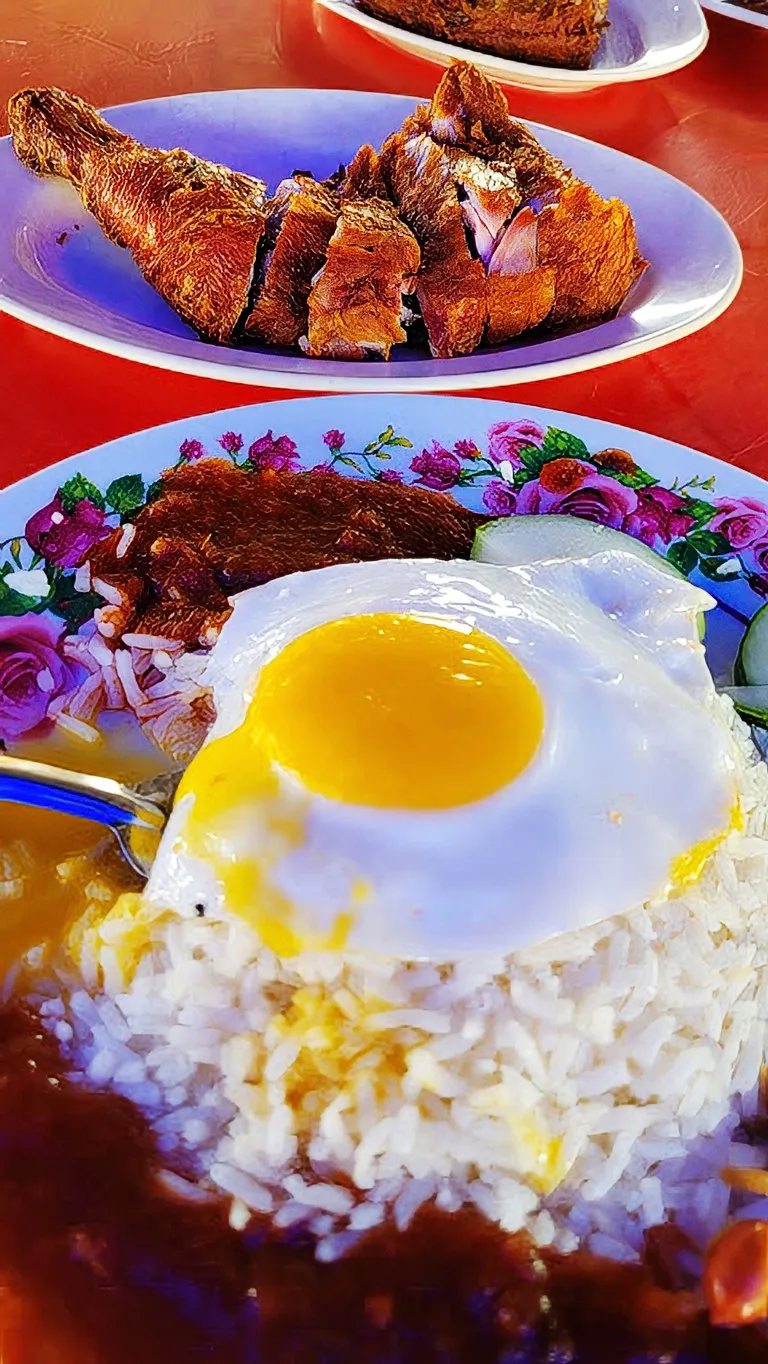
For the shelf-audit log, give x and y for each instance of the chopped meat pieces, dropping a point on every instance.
(489, 193)
(300, 223)
(521, 293)
(554, 250)
(592, 244)
(463, 216)
(451, 284)
(356, 302)
(364, 179)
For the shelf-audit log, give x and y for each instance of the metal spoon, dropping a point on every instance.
(123, 809)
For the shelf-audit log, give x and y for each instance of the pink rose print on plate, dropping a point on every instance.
(32, 671)
(466, 449)
(270, 452)
(64, 538)
(499, 499)
(570, 487)
(742, 520)
(659, 517)
(191, 450)
(755, 564)
(507, 439)
(334, 439)
(437, 468)
(231, 442)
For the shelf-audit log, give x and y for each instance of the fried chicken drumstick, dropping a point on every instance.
(193, 227)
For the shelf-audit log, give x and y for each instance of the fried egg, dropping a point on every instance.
(424, 759)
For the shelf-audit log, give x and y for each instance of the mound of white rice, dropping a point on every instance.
(585, 1090)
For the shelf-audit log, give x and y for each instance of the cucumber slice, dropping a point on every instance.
(751, 667)
(751, 703)
(518, 540)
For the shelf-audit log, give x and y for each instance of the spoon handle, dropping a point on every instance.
(75, 793)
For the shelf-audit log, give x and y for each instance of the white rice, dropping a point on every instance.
(585, 1090)
(154, 678)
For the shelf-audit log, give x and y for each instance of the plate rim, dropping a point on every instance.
(240, 411)
(562, 79)
(731, 11)
(310, 380)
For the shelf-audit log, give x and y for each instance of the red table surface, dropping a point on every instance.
(707, 124)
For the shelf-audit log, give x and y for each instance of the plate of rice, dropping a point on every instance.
(438, 1031)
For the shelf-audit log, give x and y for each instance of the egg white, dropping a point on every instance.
(635, 766)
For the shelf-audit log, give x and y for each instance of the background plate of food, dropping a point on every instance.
(749, 13)
(568, 49)
(485, 272)
(220, 1107)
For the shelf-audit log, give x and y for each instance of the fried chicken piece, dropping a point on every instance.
(468, 179)
(592, 245)
(521, 291)
(489, 193)
(589, 242)
(192, 226)
(509, 237)
(301, 220)
(364, 178)
(470, 112)
(467, 110)
(356, 303)
(556, 33)
(216, 529)
(451, 285)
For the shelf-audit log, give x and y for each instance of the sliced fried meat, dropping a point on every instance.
(592, 244)
(552, 32)
(215, 529)
(467, 110)
(521, 291)
(364, 179)
(356, 303)
(193, 227)
(489, 192)
(301, 220)
(589, 242)
(451, 286)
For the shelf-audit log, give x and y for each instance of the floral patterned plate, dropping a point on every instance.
(59, 659)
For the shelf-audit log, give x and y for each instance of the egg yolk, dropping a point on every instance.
(398, 712)
(688, 867)
(382, 710)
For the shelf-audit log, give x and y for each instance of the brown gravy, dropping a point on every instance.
(36, 903)
(101, 1264)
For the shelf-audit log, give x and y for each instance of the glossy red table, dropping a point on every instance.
(707, 124)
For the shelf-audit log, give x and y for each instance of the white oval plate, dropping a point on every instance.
(722, 548)
(732, 11)
(646, 38)
(79, 286)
